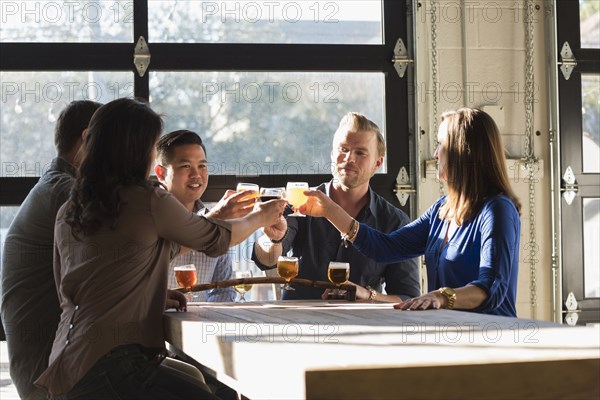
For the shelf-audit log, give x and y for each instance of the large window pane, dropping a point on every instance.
(244, 21)
(30, 104)
(590, 93)
(589, 11)
(591, 253)
(66, 21)
(265, 123)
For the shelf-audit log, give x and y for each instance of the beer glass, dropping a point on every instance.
(338, 274)
(185, 275)
(243, 288)
(247, 186)
(294, 194)
(287, 268)
(267, 194)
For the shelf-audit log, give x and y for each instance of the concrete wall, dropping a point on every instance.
(481, 48)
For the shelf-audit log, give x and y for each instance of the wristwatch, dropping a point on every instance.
(450, 295)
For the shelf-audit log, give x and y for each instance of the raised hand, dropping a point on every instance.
(233, 205)
(271, 211)
(277, 230)
(317, 205)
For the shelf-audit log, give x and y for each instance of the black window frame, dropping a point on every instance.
(570, 105)
(246, 57)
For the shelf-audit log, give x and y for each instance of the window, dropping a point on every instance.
(264, 83)
(579, 99)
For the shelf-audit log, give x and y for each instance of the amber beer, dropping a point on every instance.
(287, 269)
(338, 272)
(186, 275)
(248, 186)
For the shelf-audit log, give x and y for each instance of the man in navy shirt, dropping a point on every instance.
(30, 308)
(358, 152)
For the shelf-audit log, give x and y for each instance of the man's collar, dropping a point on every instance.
(199, 207)
(370, 193)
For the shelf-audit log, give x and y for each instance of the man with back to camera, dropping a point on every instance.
(358, 152)
(182, 168)
(30, 308)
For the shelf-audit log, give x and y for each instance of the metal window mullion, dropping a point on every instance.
(271, 57)
(140, 29)
(65, 56)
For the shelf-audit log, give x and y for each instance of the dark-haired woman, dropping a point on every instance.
(470, 238)
(114, 239)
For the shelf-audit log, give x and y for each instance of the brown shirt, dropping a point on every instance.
(112, 284)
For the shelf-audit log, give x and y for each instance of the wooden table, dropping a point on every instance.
(354, 350)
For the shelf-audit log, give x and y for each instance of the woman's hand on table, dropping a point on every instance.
(427, 301)
(176, 300)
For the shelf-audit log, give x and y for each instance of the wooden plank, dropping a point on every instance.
(563, 379)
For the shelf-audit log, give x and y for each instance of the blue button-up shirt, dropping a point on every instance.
(483, 252)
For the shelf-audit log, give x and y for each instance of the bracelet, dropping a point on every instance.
(348, 238)
(373, 293)
(279, 240)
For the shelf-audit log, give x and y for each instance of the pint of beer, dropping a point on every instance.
(186, 275)
(338, 272)
(287, 268)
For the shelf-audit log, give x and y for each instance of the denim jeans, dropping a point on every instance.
(127, 372)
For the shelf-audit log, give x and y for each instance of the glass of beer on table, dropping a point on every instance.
(287, 268)
(294, 194)
(338, 274)
(243, 287)
(185, 275)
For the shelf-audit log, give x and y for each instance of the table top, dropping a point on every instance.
(267, 349)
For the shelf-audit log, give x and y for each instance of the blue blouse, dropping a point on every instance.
(483, 252)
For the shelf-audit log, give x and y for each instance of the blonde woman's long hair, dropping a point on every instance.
(476, 164)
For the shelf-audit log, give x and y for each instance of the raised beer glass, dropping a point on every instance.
(243, 288)
(247, 186)
(287, 268)
(294, 194)
(338, 274)
(267, 194)
(185, 275)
